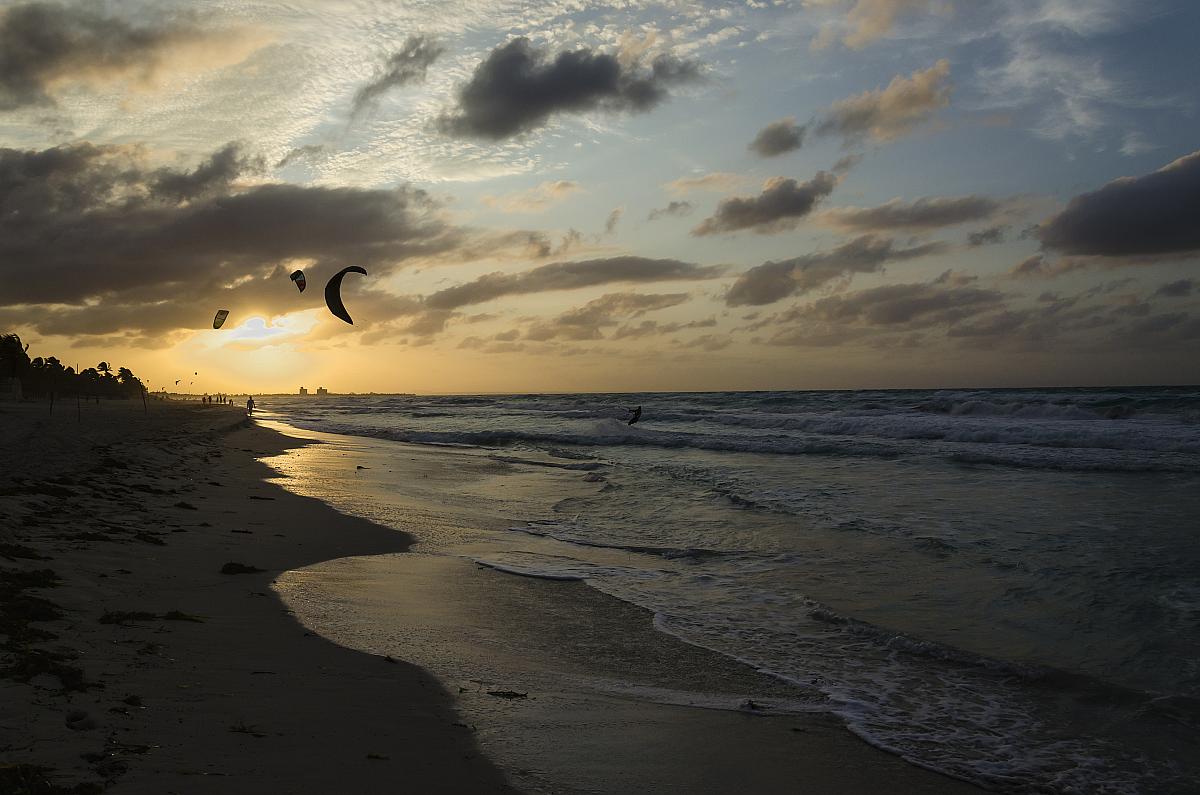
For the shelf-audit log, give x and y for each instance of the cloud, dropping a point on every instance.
(889, 113)
(718, 181)
(43, 45)
(409, 65)
(610, 223)
(569, 276)
(903, 304)
(1038, 267)
(214, 175)
(676, 209)
(299, 153)
(1176, 289)
(518, 88)
(1153, 214)
(1135, 143)
(779, 207)
(586, 322)
(778, 137)
(773, 281)
(710, 342)
(884, 316)
(988, 236)
(534, 199)
(94, 241)
(949, 311)
(1055, 66)
(916, 216)
(649, 328)
(868, 21)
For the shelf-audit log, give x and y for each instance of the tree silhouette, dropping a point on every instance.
(13, 358)
(43, 376)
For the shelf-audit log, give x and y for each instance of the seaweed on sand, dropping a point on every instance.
(17, 610)
(24, 779)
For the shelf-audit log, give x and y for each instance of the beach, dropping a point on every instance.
(149, 669)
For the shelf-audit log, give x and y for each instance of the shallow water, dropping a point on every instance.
(1001, 585)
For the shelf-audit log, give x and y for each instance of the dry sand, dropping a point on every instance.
(138, 513)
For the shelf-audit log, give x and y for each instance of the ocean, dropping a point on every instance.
(1000, 585)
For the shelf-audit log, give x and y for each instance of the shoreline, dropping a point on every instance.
(569, 688)
(139, 513)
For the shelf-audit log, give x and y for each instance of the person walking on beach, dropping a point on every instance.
(250, 405)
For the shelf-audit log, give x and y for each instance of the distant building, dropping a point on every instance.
(322, 391)
(303, 390)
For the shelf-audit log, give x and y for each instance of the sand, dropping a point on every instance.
(139, 512)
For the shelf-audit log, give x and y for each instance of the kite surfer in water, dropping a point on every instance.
(637, 414)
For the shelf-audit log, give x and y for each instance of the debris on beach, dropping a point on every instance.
(80, 721)
(14, 551)
(178, 615)
(186, 506)
(508, 694)
(243, 728)
(379, 757)
(240, 568)
(125, 616)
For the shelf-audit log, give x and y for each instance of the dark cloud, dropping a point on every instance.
(676, 209)
(518, 87)
(777, 138)
(1034, 265)
(938, 312)
(93, 241)
(570, 276)
(779, 207)
(610, 223)
(42, 43)
(987, 237)
(1153, 214)
(887, 113)
(1164, 330)
(1177, 289)
(887, 310)
(214, 175)
(409, 65)
(586, 322)
(773, 281)
(955, 278)
(1038, 266)
(920, 215)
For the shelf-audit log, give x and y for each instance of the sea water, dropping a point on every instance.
(1001, 585)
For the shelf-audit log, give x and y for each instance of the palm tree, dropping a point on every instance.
(13, 356)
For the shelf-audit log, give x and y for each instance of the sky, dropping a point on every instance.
(576, 195)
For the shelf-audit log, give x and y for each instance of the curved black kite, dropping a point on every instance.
(333, 293)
